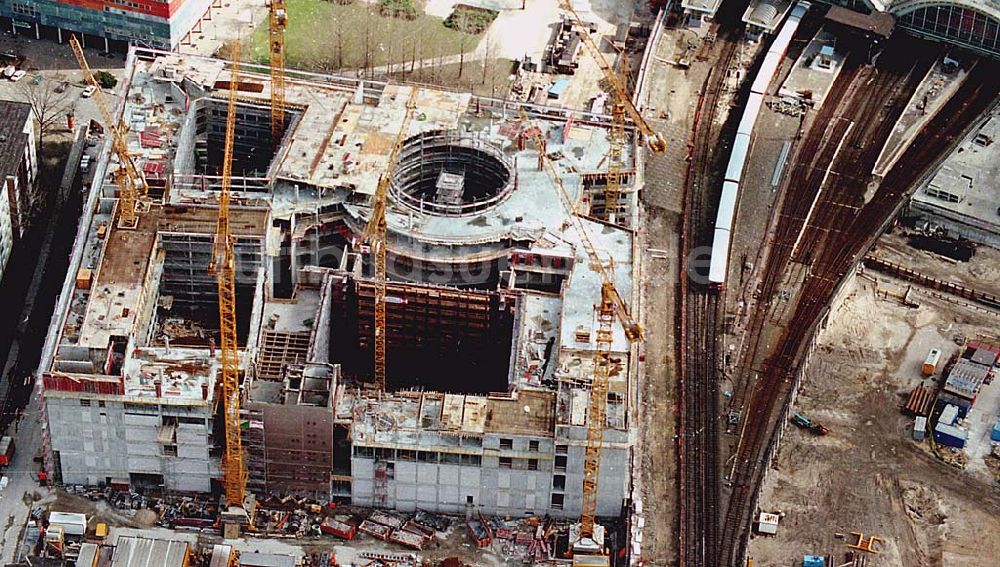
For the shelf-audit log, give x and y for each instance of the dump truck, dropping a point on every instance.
(804, 422)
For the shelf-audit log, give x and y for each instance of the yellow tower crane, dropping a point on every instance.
(610, 307)
(131, 185)
(375, 236)
(223, 266)
(620, 107)
(276, 35)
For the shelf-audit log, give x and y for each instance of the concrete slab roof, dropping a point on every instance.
(965, 187)
(185, 375)
(145, 552)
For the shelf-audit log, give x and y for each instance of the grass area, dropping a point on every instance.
(485, 78)
(324, 35)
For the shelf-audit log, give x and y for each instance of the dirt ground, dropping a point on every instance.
(982, 273)
(868, 475)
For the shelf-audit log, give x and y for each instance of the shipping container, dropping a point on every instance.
(71, 524)
(931, 362)
(919, 428)
(337, 528)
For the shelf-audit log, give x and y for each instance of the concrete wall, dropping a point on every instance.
(96, 442)
(511, 489)
(614, 476)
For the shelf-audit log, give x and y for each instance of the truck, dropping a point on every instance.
(804, 422)
(6, 450)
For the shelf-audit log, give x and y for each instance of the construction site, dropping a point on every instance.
(381, 295)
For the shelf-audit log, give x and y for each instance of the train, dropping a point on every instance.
(719, 260)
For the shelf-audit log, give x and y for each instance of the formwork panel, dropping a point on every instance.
(470, 476)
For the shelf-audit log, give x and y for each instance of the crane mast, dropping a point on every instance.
(610, 307)
(223, 264)
(654, 141)
(375, 236)
(621, 105)
(131, 185)
(276, 35)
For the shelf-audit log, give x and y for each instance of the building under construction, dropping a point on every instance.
(491, 303)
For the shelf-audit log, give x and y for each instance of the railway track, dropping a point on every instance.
(700, 310)
(831, 212)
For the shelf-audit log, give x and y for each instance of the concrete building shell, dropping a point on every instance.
(493, 294)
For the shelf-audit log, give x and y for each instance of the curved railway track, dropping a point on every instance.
(831, 213)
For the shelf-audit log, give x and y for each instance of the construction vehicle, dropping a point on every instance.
(586, 539)
(804, 422)
(132, 186)
(375, 236)
(620, 107)
(236, 513)
(276, 39)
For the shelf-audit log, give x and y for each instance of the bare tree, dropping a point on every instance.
(488, 55)
(47, 105)
(339, 34)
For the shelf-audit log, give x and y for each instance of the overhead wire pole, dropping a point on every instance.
(223, 265)
(276, 39)
(131, 185)
(375, 236)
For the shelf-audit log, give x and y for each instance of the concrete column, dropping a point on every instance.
(38, 34)
(83, 40)
(107, 46)
(59, 31)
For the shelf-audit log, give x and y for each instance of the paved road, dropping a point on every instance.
(22, 474)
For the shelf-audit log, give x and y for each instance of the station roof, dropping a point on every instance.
(877, 23)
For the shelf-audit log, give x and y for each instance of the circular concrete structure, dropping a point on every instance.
(446, 174)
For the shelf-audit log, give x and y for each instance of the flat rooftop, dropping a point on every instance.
(434, 418)
(185, 375)
(709, 7)
(965, 187)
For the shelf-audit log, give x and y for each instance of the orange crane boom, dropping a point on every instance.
(375, 236)
(223, 264)
(610, 307)
(654, 141)
(276, 35)
(131, 185)
(621, 104)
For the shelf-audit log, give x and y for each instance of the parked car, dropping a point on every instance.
(61, 87)
(17, 76)
(85, 164)
(89, 91)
